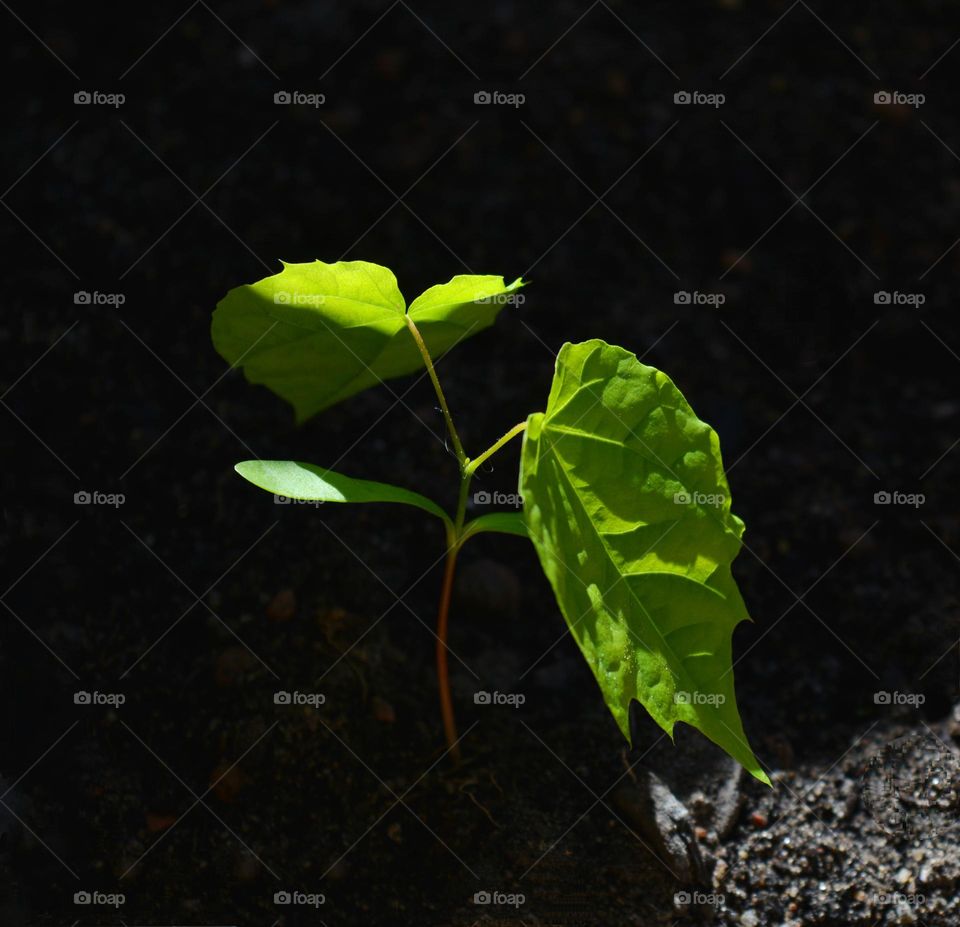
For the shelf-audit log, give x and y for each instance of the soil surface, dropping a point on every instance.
(813, 224)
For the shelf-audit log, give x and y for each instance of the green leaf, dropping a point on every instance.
(629, 510)
(317, 333)
(305, 481)
(501, 522)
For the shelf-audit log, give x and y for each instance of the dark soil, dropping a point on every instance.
(198, 599)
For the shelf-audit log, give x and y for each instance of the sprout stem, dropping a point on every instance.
(455, 539)
(454, 437)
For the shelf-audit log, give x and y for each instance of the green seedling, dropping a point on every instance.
(624, 493)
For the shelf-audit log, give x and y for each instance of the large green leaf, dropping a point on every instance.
(629, 510)
(317, 333)
(296, 480)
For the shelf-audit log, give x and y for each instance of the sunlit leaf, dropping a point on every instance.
(629, 510)
(317, 333)
(294, 480)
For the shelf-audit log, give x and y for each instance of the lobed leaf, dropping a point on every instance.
(629, 510)
(318, 333)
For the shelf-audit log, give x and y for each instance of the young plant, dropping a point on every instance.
(624, 493)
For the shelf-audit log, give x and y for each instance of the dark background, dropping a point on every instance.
(821, 398)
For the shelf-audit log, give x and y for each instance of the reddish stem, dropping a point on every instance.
(443, 678)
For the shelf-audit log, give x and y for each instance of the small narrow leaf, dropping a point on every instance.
(296, 480)
(318, 333)
(501, 522)
(629, 510)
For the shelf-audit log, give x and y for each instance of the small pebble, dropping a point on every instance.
(231, 665)
(719, 873)
(159, 822)
(382, 710)
(283, 606)
(486, 586)
(247, 867)
(230, 782)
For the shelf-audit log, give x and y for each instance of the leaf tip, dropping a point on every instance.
(245, 468)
